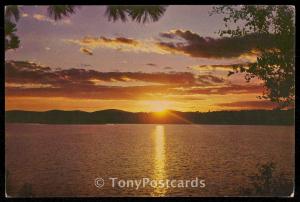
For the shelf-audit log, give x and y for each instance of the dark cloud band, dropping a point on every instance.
(195, 45)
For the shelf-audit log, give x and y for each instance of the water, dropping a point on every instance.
(64, 160)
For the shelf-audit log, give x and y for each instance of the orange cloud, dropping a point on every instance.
(86, 51)
(256, 104)
(24, 79)
(40, 17)
(228, 89)
(119, 43)
(219, 67)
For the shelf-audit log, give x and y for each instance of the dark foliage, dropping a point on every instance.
(274, 66)
(256, 117)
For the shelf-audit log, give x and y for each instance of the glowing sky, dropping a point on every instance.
(85, 62)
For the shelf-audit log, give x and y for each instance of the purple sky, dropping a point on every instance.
(42, 41)
(87, 40)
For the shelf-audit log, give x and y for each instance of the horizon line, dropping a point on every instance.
(166, 110)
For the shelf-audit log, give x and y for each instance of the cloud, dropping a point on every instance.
(194, 45)
(169, 35)
(89, 92)
(210, 79)
(184, 42)
(168, 68)
(227, 89)
(120, 40)
(86, 51)
(85, 65)
(115, 43)
(43, 18)
(32, 80)
(151, 64)
(219, 67)
(119, 43)
(259, 104)
(24, 15)
(40, 17)
(25, 72)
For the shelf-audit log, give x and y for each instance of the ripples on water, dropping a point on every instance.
(64, 160)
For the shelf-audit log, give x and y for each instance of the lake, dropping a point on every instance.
(65, 160)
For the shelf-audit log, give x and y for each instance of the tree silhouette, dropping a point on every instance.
(135, 13)
(267, 182)
(275, 66)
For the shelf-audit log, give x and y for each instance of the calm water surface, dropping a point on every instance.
(64, 160)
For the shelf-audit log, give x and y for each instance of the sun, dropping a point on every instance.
(158, 106)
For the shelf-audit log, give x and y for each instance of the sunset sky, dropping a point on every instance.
(85, 62)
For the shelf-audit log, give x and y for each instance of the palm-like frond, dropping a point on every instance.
(13, 43)
(12, 11)
(60, 11)
(9, 28)
(146, 13)
(115, 13)
(136, 13)
(11, 39)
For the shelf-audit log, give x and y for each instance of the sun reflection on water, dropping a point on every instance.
(159, 159)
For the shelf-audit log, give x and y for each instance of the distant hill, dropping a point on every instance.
(249, 117)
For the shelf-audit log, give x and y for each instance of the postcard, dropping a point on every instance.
(149, 100)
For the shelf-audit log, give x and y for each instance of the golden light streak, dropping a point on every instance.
(159, 159)
(179, 117)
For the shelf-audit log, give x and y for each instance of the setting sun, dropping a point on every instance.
(159, 106)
